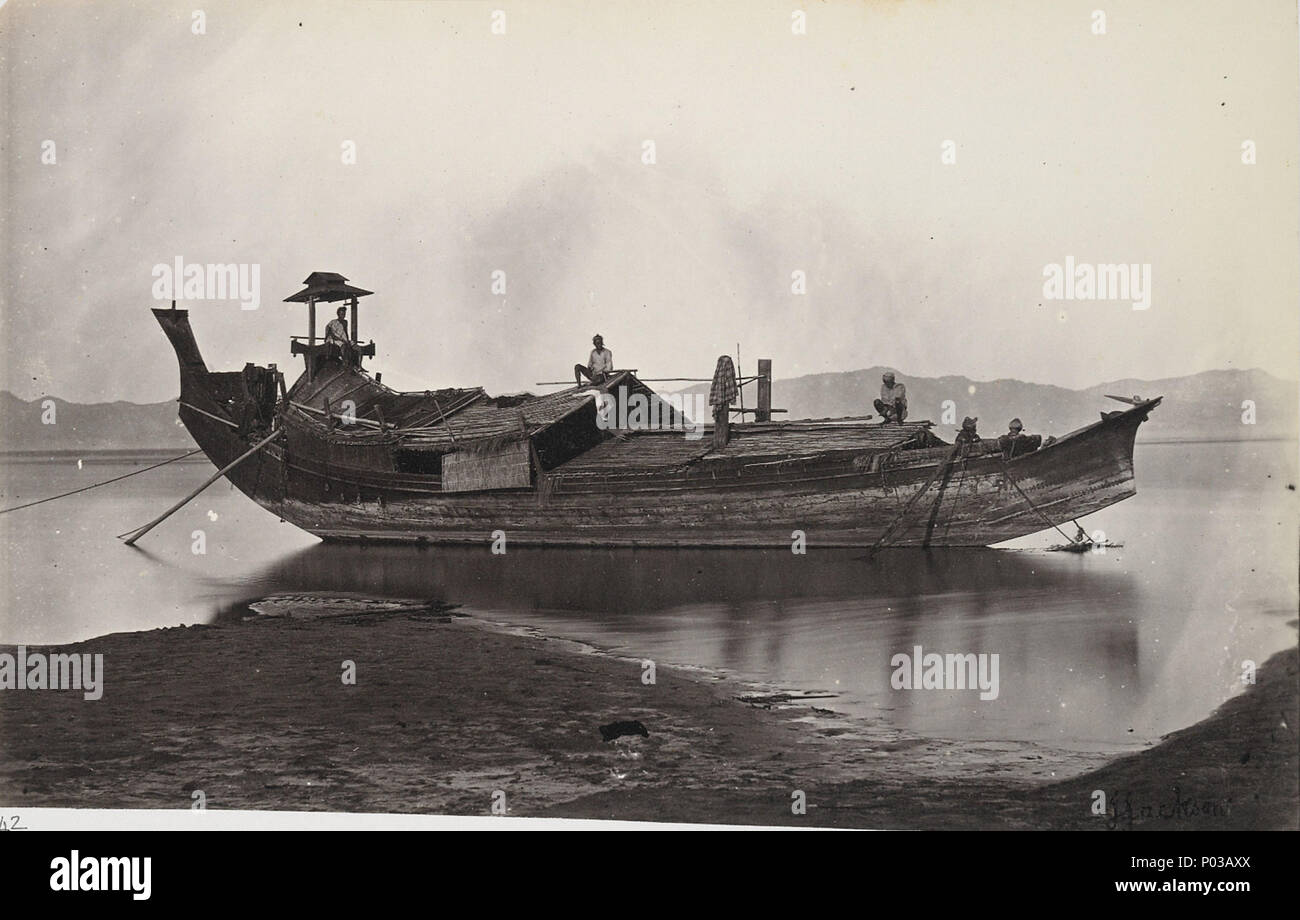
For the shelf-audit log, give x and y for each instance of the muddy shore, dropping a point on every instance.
(449, 717)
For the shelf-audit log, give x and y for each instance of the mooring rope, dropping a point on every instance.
(889, 530)
(104, 483)
(1036, 508)
(137, 534)
(952, 512)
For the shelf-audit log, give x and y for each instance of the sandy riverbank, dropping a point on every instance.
(444, 713)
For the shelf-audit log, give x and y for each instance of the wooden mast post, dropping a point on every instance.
(721, 427)
(764, 413)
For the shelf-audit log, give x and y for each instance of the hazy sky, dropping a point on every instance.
(775, 152)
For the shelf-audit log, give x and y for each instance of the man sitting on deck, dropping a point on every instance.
(892, 404)
(1015, 442)
(968, 438)
(336, 335)
(599, 366)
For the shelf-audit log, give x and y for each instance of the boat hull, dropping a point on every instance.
(838, 498)
(976, 501)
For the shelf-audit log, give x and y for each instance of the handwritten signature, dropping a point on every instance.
(1179, 809)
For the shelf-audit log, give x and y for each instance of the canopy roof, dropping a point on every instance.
(326, 287)
(446, 419)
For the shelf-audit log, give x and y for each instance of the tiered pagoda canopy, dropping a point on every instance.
(326, 287)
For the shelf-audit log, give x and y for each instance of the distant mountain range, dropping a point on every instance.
(1197, 407)
(94, 426)
(1200, 406)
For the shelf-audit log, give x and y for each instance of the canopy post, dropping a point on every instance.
(356, 336)
(311, 335)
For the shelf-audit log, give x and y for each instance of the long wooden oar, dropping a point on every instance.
(136, 535)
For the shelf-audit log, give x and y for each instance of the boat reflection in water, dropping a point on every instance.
(1065, 632)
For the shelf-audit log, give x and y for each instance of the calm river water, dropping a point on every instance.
(1099, 651)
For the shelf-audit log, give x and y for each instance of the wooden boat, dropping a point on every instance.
(350, 459)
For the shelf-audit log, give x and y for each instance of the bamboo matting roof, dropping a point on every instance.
(452, 419)
(443, 419)
(486, 419)
(402, 410)
(750, 443)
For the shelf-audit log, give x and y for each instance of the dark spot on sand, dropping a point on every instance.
(619, 729)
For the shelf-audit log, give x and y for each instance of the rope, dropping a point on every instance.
(952, 512)
(888, 531)
(938, 501)
(104, 483)
(1036, 508)
(215, 418)
(136, 535)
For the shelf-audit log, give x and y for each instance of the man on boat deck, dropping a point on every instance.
(336, 335)
(1016, 442)
(968, 438)
(892, 404)
(599, 366)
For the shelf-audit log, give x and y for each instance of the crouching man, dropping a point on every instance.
(599, 367)
(892, 404)
(968, 438)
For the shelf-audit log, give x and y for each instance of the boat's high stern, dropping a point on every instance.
(223, 411)
(194, 371)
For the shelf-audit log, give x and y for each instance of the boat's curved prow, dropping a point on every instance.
(223, 411)
(176, 324)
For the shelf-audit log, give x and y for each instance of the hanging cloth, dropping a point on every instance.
(723, 391)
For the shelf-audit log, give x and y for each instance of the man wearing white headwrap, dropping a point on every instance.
(892, 404)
